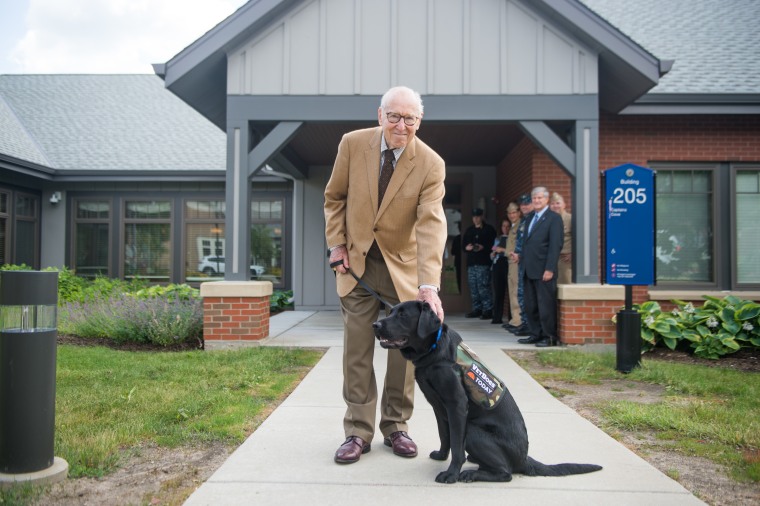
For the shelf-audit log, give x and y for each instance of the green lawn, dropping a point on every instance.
(108, 401)
(713, 412)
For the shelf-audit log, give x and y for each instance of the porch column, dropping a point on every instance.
(586, 224)
(238, 196)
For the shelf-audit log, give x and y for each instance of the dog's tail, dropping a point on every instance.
(536, 468)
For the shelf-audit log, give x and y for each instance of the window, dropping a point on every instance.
(92, 225)
(747, 227)
(147, 240)
(708, 226)
(204, 239)
(684, 237)
(5, 220)
(27, 223)
(267, 225)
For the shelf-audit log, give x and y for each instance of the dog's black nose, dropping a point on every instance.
(376, 325)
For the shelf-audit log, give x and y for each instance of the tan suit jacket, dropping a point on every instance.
(410, 225)
(565, 267)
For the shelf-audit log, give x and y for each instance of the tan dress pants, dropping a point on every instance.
(513, 279)
(360, 309)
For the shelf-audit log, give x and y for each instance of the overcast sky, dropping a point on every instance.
(101, 36)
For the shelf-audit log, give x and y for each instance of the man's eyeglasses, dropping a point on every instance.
(394, 117)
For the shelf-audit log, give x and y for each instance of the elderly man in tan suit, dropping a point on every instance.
(393, 239)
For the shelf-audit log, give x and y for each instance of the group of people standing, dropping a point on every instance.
(525, 261)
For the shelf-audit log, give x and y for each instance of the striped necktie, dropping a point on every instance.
(385, 174)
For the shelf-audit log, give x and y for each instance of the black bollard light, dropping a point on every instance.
(628, 340)
(28, 309)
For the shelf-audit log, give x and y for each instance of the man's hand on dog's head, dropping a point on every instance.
(430, 295)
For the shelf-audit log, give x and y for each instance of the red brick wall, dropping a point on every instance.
(549, 174)
(235, 318)
(645, 139)
(514, 175)
(587, 321)
(524, 168)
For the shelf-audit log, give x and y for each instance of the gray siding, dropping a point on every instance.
(439, 47)
(314, 283)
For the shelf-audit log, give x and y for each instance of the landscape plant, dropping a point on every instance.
(161, 316)
(714, 329)
(281, 301)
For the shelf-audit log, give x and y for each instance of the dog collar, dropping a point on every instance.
(437, 338)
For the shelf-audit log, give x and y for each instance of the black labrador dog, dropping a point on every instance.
(492, 432)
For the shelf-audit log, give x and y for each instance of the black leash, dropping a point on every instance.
(361, 282)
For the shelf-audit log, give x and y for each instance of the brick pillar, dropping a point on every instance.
(585, 313)
(236, 310)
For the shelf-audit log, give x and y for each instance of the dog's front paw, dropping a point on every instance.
(439, 455)
(447, 477)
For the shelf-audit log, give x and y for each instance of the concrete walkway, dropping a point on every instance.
(289, 459)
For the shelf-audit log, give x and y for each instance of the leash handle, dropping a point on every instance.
(364, 285)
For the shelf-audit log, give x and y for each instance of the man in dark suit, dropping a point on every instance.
(539, 257)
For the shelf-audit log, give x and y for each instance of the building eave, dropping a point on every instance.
(198, 74)
(694, 103)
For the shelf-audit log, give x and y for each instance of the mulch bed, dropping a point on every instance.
(126, 346)
(746, 359)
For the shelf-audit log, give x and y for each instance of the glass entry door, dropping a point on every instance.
(457, 206)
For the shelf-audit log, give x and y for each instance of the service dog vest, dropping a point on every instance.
(482, 386)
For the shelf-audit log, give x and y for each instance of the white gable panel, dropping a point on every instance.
(439, 47)
(558, 63)
(264, 64)
(413, 36)
(376, 36)
(447, 46)
(340, 22)
(304, 64)
(522, 51)
(483, 75)
(590, 72)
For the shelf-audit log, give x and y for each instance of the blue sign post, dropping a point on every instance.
(629, 248)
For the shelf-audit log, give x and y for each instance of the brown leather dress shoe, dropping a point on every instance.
(350, 451)
(402, 444)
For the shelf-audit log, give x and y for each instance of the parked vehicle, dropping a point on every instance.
(214, 265)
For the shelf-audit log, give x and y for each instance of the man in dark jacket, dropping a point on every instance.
(540, 255)
(477, 242)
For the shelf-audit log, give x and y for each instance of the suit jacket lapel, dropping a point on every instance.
(372, 165)
(537, 224)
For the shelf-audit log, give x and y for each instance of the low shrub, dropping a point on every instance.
(163, 321)
(717, 328)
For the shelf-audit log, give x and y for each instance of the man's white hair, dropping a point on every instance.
(401, 90)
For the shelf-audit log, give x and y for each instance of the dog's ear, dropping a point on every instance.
(429, 321)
